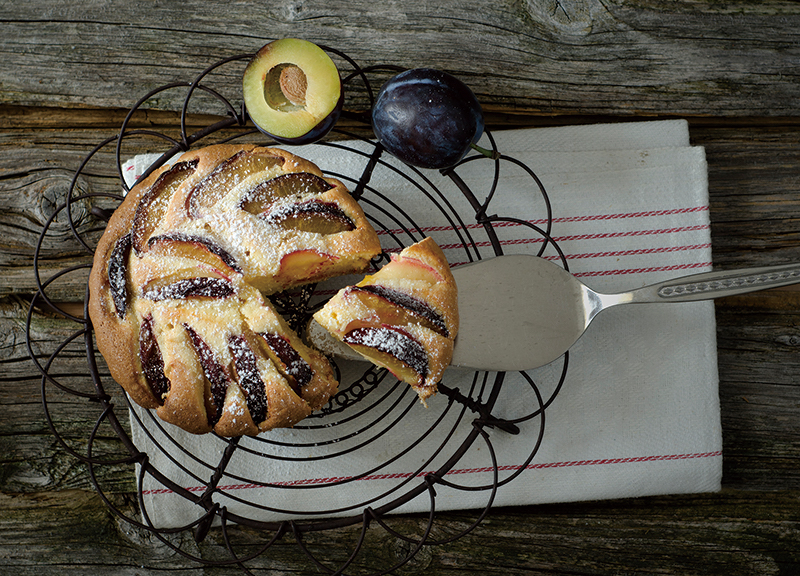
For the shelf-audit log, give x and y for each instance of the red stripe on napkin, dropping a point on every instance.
(556, 220)
(482, 470)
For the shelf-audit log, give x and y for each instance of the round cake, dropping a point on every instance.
(404, 317)
(179, 277)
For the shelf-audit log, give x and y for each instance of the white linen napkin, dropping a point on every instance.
(638, 413)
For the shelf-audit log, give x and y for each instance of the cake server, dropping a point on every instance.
(519, 312)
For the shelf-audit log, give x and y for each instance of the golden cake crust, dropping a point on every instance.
(404, 317)
(189, 260)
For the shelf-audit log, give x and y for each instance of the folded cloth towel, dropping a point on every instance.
(638, 411)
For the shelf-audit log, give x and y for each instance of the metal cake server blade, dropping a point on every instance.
(519, 312)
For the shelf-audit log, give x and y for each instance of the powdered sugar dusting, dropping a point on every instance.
(211, 256)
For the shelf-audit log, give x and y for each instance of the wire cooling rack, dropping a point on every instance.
(370, 406)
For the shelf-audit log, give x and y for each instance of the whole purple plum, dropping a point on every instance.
(427, 118)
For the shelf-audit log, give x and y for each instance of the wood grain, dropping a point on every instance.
(69, 72)
(736, 533)
(546, 57)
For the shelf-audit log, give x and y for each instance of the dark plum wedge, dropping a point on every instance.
(153, 203)
(287, 360)
(118, 274)
(194, 247)
(398, 308)
(393, 348)
(292, 91)
(427, 118)
(152, 360)
(311, 216)
(246, 366)
(297, 184)
(210, 190)
(217, 379)
(182, 288)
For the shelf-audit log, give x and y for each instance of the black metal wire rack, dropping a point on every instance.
(352, 432)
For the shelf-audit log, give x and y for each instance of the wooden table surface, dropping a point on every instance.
(71, 69)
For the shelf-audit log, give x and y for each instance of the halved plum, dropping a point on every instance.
(311, 216)
(197, 248)
(216, 378)
(248, 376)
(227, 174)
(299, 184)
(392, 348)
(287, 360)
(118, 274)
(292, 91)
(152, 360)
(153, 203)
(170, 288)
(398, 308)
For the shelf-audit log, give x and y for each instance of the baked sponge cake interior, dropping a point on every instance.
(403, 318)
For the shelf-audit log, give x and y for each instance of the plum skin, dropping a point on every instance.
(314, 134)
(427, 118)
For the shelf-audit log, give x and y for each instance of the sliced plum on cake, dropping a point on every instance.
(118, 280)
(315, 217)
(152, 360)
(287, 360)
(228, 174)
(153, 204)
(228, 376)
(275, 377)
(308, 264)
(298, 185)
(249, 377)
(394, 349)
(201, 249)
(304, 372)
(403, 318)
(217, 379)
(184, 284)
(395, 307)
(310, 216)
(190, 266)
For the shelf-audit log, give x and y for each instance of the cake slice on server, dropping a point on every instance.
(403, 318)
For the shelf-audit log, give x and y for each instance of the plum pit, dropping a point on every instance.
(285, 87)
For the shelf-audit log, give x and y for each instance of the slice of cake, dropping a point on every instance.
(403, 318)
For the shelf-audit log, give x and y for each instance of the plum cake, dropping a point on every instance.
(179, 277)
(404, 317)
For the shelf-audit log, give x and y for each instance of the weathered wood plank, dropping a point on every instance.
(735, 533)
(751, 174)
(548, 57)
(758, 343)
(32, 458)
